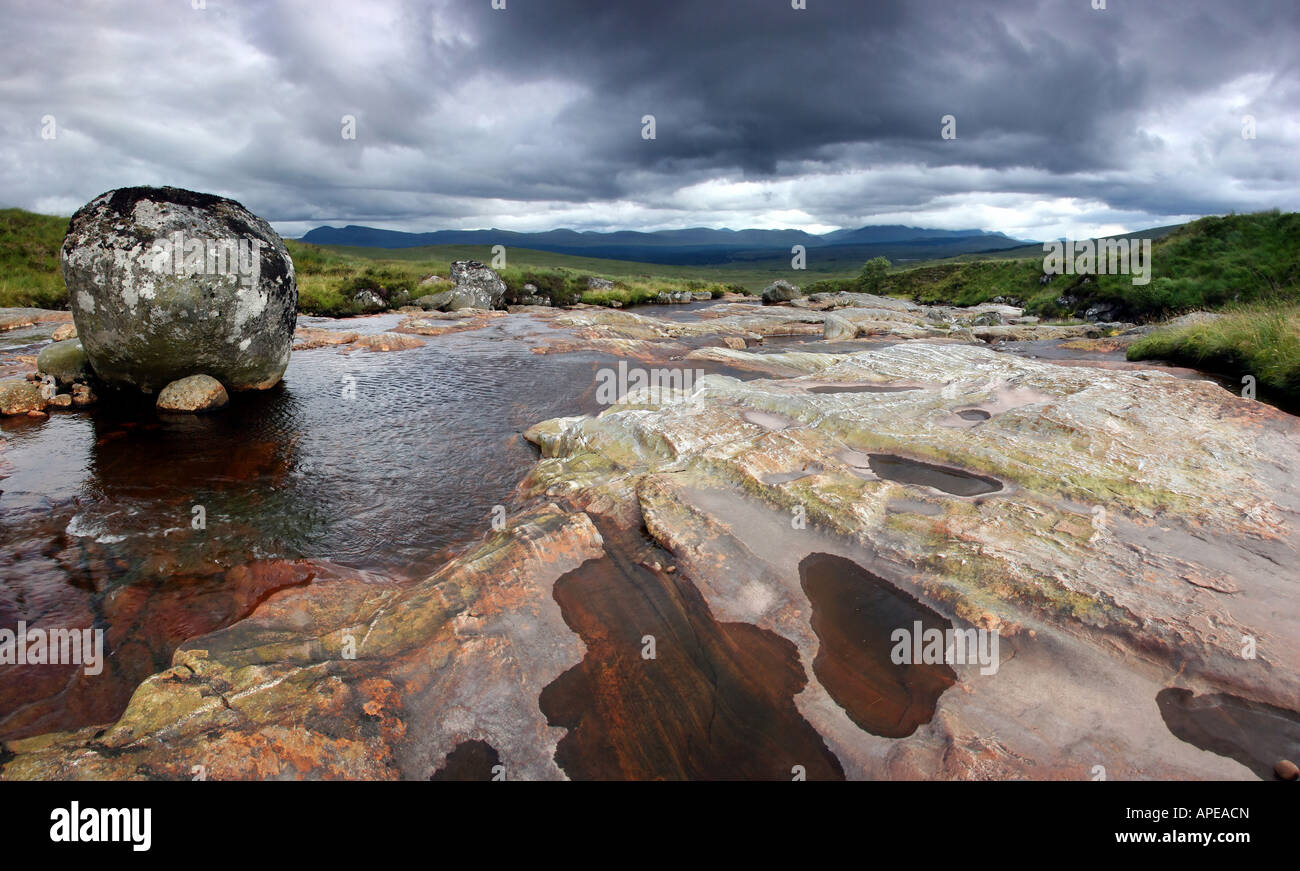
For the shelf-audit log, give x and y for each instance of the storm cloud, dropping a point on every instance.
(1069, 119)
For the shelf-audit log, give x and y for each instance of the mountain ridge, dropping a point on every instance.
(685, 246)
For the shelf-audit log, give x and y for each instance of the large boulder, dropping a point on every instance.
(480, 282)
(477, 287)
(165, 283)
(369, 301)
(780, 291)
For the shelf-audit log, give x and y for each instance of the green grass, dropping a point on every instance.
(1205, 264)
(1260, 339)
(435, 259)
(329, 277)
(30, 274)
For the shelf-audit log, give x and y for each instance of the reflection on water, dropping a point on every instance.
(714, 700)
(1253, 733)
(157, 528)
(855, 615)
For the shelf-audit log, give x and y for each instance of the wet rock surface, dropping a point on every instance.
(20, 396)
(193, 394)
(769, 526)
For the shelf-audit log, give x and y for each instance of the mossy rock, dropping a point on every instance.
(66, 361)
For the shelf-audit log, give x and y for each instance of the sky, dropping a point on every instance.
(1069, 120)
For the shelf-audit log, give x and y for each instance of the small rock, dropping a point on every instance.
(434, 301)
(469, 297)
(735, 342)
(82, 395)
(599, 284)
(63, 400)
(64, 332)
(1287, 770)
(195, 393)
(19, 396)
(306, 338)
(369, 301)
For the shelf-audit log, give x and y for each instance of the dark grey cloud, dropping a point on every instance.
(1069, 119)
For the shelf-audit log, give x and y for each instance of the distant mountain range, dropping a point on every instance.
(696, 246)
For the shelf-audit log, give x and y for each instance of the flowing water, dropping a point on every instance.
(157, 528)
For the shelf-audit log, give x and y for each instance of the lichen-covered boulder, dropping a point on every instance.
(64, 361)
(192, 394)
(780, 291)
(479, 283)
(165, 283)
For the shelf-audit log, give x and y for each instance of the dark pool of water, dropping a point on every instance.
(973, 414)
(715, 701)
(470, 761)
(949, 480)
(373, 460)
(859, 388)
(1255, 734)
(855, 614)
